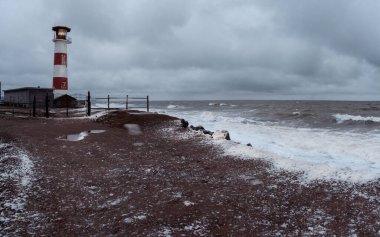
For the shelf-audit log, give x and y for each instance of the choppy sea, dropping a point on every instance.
(322, 139)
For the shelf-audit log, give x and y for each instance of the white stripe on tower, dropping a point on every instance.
(60, 48)
(60, 71)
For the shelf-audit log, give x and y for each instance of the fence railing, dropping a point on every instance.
(121, 102)
(31, 109)
(129, 99)
(19, 108)
(43, 106)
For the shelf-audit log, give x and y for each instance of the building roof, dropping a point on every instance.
(28, 88)
(55, 28)
(63, 96)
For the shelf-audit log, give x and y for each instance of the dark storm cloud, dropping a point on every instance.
(177, 49)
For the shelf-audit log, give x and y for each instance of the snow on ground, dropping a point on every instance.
(82, 114)
(197, 228)
(98, 114)
(16, 175)
(133, 129)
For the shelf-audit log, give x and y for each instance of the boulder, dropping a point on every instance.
(184, 123)
(249, 144)
(208, 132)
(197, 128)
(223, 134)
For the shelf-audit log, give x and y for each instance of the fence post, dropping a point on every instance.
(47, 105)
(126, 103)
(34, 106)
(67, 106)
(147, 103)
(108, 102)
(88, 104)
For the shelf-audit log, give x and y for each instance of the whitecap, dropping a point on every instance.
(341, 118)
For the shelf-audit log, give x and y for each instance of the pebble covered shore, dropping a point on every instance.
(143, 174)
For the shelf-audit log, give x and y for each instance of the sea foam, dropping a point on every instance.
(340, 118)
(319, 153)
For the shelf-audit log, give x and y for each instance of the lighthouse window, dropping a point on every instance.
(61, 32)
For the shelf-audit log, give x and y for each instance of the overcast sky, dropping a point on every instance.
(198, 49)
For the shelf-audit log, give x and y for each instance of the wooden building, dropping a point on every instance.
(23, 97)
(65, 101)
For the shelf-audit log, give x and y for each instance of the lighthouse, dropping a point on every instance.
(60, 82)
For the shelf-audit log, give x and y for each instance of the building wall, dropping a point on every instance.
(25, 97)
(41, 96)
(16, 97)
(65, 102)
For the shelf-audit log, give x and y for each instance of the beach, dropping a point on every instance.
(143, 174)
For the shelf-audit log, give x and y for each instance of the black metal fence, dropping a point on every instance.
(109, 102)
(19, 108)
(38, 107)
(43, 107)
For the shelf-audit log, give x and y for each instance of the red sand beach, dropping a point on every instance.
(155, 178)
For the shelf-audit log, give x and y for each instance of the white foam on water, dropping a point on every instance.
(111, 105)
(319, 153)
(340, 118)
(172, 106)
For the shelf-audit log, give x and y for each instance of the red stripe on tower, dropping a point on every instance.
(60, 59)
(60, 80)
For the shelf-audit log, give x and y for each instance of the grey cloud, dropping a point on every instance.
(177, 49)
(348, 27)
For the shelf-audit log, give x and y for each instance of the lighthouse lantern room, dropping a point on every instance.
(60, 81)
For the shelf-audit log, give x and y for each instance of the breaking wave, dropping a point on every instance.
(172, 106)
(320, 153)
(341, 118)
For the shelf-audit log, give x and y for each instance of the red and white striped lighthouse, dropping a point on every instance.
(60, 82)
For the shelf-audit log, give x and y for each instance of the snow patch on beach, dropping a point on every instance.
(113, 202)
(183, 135)
(138, 217)
(16, 175)
(196, 228)
(80, 136)
(97, 115)
(83, 115)
(133, 129)
(188, 203)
